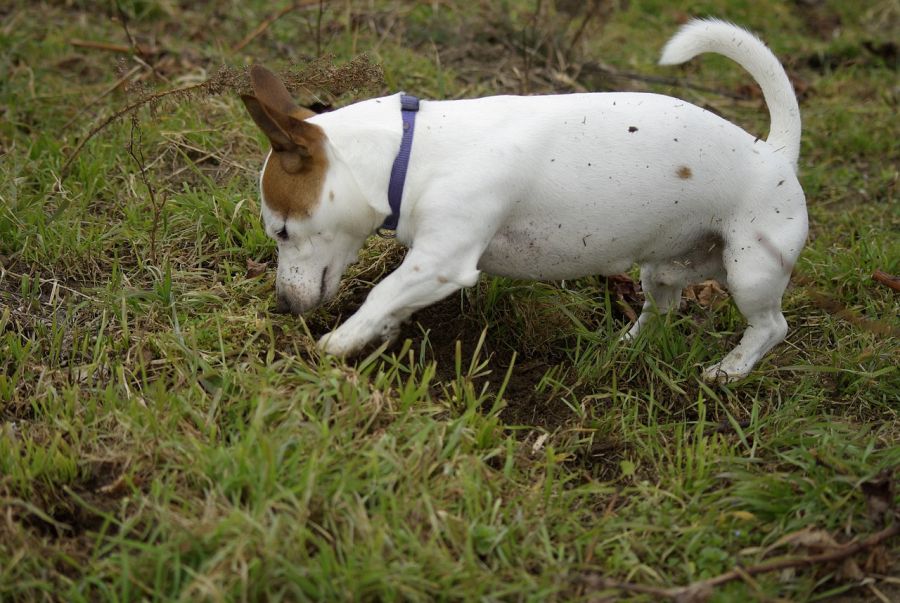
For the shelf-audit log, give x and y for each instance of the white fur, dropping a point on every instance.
(741, 46)
(557, 187)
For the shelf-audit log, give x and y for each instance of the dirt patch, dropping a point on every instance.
(74, 510)
(450, 321)
(530, 401)
(456, 319)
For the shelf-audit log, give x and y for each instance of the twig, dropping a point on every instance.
(887, 279)
(836, 308)
(653, 79)
(878, 594)
(357, 74)
(154, 97)
(267, 22)
(703, 589)
(142, 55)
(319, 16)
(138, 156)
(588, 15)
(837, 554)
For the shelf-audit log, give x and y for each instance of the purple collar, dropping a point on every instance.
(409, 105)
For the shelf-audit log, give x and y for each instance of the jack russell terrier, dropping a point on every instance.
(541, 187)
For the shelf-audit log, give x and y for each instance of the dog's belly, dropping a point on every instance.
(602, 224)
(540, 254)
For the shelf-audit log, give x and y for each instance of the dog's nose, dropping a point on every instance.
(282, 305)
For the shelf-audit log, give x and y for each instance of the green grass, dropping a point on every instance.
(165, 436)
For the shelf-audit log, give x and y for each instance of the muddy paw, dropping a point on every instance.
(721, 374)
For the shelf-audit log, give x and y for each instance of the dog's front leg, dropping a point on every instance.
(424, 277)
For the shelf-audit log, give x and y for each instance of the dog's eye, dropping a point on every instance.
(283, 233)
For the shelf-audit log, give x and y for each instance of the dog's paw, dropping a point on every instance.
(339, 343)
(353, 336)
(718, 373)
(630, 335)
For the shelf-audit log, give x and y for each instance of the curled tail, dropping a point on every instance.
(712, 35)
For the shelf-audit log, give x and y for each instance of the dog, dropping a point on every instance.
(542, 187)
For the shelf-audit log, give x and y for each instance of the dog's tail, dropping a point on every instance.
(712, 35)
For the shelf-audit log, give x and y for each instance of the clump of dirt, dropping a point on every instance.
(71, 512)
(451, 320)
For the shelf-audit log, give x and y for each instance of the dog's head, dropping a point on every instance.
(310, 203)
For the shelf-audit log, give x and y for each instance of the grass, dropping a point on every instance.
(164, 436)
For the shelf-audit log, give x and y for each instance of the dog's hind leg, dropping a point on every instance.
(758, 274)
(663, 282)
(662, 294)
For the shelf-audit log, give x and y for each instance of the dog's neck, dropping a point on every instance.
(365, 138)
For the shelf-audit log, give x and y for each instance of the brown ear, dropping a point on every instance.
(280, 140)
(272, 93)
(278, 104)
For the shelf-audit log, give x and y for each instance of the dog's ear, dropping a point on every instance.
(276, 113)
(280, 140)
(272, 93)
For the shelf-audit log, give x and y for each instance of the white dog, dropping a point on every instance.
(543, 187)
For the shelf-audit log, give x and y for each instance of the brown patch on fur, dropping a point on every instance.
(685, 173)
(294, 190)
(442, 279)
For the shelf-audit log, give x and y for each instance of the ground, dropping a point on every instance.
(164, 435)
